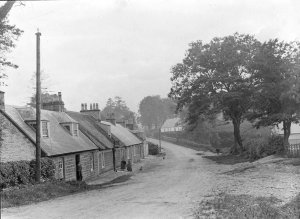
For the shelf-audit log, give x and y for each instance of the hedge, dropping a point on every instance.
(23, 172)
(153, 148)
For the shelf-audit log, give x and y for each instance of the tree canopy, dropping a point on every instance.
(8, 35)
(155, 110)
(119, 108)
(277, 97)
(216, 77)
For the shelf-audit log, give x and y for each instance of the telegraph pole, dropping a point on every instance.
(38, 109)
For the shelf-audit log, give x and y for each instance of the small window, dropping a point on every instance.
(60, 169)
(45, 131)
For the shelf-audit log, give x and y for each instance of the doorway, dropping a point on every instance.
(78, 168)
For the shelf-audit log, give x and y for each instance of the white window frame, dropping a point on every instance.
(47, 129)
(75, 130)
(61, 168)
(128, 153)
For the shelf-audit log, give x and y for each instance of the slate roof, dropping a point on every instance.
(60, 141)
(171, 123)
(123, 134)
(88, 125)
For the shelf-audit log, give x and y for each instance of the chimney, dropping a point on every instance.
(2, 101)
(111, 118)
(97, 107)
(59, 97)
(93, 111)
(54, 105)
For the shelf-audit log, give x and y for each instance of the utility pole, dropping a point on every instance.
(159, 132)
(38, 109)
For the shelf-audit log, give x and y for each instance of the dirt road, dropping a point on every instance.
(165, 188)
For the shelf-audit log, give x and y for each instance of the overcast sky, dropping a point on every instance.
(96, 49)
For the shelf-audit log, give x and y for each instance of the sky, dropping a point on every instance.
(96, 49)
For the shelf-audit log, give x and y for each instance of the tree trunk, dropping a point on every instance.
(238, 145)
(4, 10)
(287, 132)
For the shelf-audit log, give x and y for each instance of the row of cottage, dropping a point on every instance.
(69, 138)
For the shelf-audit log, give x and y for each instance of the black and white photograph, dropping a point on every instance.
(139, 109)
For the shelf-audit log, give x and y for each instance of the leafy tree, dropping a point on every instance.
(119, 108)
(216, 77)
(8, 35)
(277, 97)
(154, 110)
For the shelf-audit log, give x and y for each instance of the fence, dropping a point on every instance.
(293, 150)
(188, 143)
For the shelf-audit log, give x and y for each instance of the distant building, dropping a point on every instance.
(172, 125)
(295, 133)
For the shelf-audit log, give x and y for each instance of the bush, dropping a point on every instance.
(23, 172)
(153, 148)
(257, 148)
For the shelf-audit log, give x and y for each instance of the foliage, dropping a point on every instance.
(216, 77)
(257, 148)
(153, 148)
(8, 35)
(277, 75)
(118, 107)
(154, 110)
(23, 172)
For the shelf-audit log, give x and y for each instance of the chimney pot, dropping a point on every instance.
(91, 106)
(97, 107)
(94, 106)
(82, 106)
(59, 96)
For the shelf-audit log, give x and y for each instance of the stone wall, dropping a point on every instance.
(14, 145)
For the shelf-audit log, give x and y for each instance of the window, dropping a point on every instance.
(75, 129)
(44, 127)
(72, 128)
(92, 162)
(60, 169)
(45, 131)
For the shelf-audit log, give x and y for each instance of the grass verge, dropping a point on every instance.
(246, 206)
(49, 190)
(227, 159)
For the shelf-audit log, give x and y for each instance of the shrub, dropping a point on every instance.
(23, 172)
(47, 168)
(261, 147)
(153, 148)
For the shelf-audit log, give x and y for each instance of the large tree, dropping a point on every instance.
(277, 97)
(119, 108)
(8, 35)
(154, 110)
(216, 77)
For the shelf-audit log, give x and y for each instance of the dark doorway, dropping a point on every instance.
(78, 167)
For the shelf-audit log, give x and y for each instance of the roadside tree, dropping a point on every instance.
(277, 74)
(216, 77)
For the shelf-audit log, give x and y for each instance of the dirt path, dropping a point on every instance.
(167, 188)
